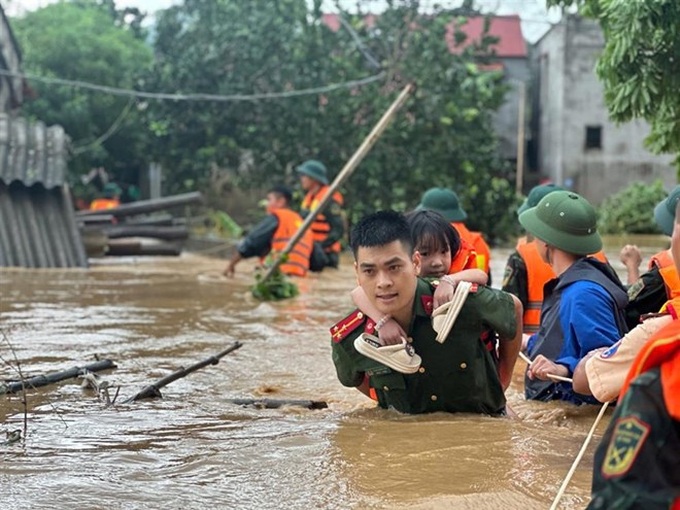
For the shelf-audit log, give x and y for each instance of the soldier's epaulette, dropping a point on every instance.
(427, 304)
(341, 329)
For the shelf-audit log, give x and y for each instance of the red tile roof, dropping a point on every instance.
(507, 29)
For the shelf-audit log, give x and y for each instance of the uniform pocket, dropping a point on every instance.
(391, 390)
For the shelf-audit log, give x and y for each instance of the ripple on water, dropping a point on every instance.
(194, 449)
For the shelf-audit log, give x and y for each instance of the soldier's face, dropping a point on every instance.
(543, 250)
(275, 201)
(388, 275)
(306, 182)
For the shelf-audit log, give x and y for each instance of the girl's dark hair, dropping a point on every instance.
(379, 229)
(429, 228)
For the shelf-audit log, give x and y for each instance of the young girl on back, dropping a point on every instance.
(436, 240)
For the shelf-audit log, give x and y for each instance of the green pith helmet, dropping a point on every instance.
(112, 190)
(314, 169)
(445, 202)
(565, 220)
(664, 212)
(536, 194)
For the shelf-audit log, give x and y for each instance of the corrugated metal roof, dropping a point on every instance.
(38, 228)
(32, 153)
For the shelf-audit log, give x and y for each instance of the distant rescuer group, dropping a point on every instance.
(429, 333)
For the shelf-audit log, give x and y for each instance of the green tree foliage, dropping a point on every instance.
(631, 211)
(93, 42)
(442, 137)
(639, 66)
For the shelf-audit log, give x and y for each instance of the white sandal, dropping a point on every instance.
(399, 357)
(445, 316)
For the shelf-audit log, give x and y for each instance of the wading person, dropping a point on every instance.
(110, 198)
(602, 372)
(456, 375)
(660, 282)
(273, 233)
(435, 240)
(583, 307)
(637, 464)
(526, 273)
(446, 203)
(328, 227)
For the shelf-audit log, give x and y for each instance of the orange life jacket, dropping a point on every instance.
(320, 227)
(662, 350)
(478, 243)
(465, 258)
(100, 204)
(664, 261)
(298, 258)
(539, 273)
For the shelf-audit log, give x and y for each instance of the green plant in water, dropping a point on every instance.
(275, 288)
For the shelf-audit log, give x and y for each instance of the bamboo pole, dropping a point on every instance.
(520, 138)
(344, 174)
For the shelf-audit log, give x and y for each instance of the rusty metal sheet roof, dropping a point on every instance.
(38, 227)
(32, 153)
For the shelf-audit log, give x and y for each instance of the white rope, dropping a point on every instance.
(554, 377)
(578, 457)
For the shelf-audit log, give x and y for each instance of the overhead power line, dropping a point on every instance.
(195, 97)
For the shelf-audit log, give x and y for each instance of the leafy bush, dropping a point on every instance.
(631, 211)
(277, 287)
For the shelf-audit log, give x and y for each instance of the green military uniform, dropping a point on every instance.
(458, 375)
(646, 295)
(336, 222)
(637, 465)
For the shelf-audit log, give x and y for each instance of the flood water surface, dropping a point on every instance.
(195, 449)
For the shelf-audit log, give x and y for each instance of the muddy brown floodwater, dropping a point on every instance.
(193, 449)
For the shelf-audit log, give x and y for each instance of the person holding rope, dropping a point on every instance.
(637, 464)
(526, 273)
(457, 374)
(583, 307)
(602, 372)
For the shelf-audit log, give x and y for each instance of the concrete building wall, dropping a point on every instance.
(516, 71)
(579, 146)
(549, 86)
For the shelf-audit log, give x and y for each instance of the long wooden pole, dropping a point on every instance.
(344, 174)
(520, 138)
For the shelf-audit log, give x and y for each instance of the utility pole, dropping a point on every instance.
(520, 138)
